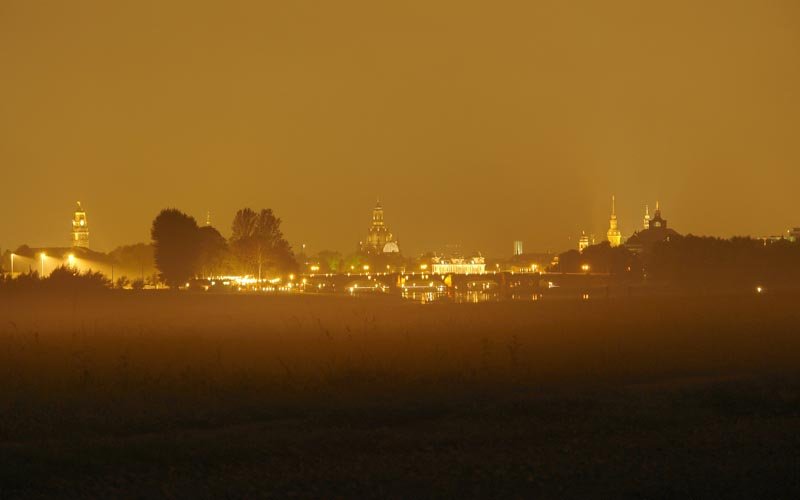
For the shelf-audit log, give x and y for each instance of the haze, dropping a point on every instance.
(477, 123)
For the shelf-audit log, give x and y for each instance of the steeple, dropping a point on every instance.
(647, 217)
(208, 217)
(614, 235)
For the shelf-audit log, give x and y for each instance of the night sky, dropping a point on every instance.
(474, 122)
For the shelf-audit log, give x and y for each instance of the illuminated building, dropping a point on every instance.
(794, 234)
(517, 247)
(379, 240)
(80, 228)
(583, 242)
(614, 235)
(646, 223)
(457, 265)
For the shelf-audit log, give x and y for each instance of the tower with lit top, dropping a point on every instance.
(614, 235)
(379, 239)
(80, 228)
(583, 242)
(646, 222)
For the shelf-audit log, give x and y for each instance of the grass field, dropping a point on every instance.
(193, 395)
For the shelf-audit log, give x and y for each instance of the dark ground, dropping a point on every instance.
(85, 417)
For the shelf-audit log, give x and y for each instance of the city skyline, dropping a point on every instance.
(626, 229)
(521, 133)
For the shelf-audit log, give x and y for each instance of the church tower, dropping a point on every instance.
(658, 221)
(80, 228)
(646, 217)
(379, 239)
(583, 242)
(614, 235)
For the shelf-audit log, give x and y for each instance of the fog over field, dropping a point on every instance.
(143, 392)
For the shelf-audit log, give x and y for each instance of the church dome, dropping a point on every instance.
(391, 247)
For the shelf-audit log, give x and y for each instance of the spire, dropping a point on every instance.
(208, 217)
(613, 234)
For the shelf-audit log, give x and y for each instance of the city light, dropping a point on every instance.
(585, 268)
(71, 259)
(42, 256)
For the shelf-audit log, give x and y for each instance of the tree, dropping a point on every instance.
(213, 258)
(258, 243)
(135, 260)
(330, 261)
(176, 241)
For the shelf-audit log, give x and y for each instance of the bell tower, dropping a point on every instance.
(614, 235)
(80, 228)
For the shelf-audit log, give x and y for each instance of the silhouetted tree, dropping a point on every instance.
(176, 241)
(136, 260)
(214, 253)
(258, 243)
(330, 261)
(704, 262)
(602, 258)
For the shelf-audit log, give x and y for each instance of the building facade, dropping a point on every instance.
(517, 247)
(475, 265)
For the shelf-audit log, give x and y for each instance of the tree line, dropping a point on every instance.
(693, 261)
(184, 250)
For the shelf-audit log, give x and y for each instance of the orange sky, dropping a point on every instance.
(475, 122)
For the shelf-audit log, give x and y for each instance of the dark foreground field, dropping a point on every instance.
(203, 396)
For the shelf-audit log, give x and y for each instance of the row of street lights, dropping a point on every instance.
(42, 256)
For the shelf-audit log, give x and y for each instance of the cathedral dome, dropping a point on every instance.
(391, 247)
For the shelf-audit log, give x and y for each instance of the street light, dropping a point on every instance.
(585, 268)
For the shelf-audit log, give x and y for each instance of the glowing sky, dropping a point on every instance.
(475, 122)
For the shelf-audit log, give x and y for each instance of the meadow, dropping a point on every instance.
(161, 394)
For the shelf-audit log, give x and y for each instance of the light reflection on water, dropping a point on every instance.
(468, 297)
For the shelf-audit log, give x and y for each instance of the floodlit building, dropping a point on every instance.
(517, 247)
(379, 239)
(794, 234)
(583, 242)
(80, 228)
(457, 265)
(614, 235)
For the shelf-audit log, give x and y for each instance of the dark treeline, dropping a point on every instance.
(693, 261)
(184, 250)
(63, 279)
